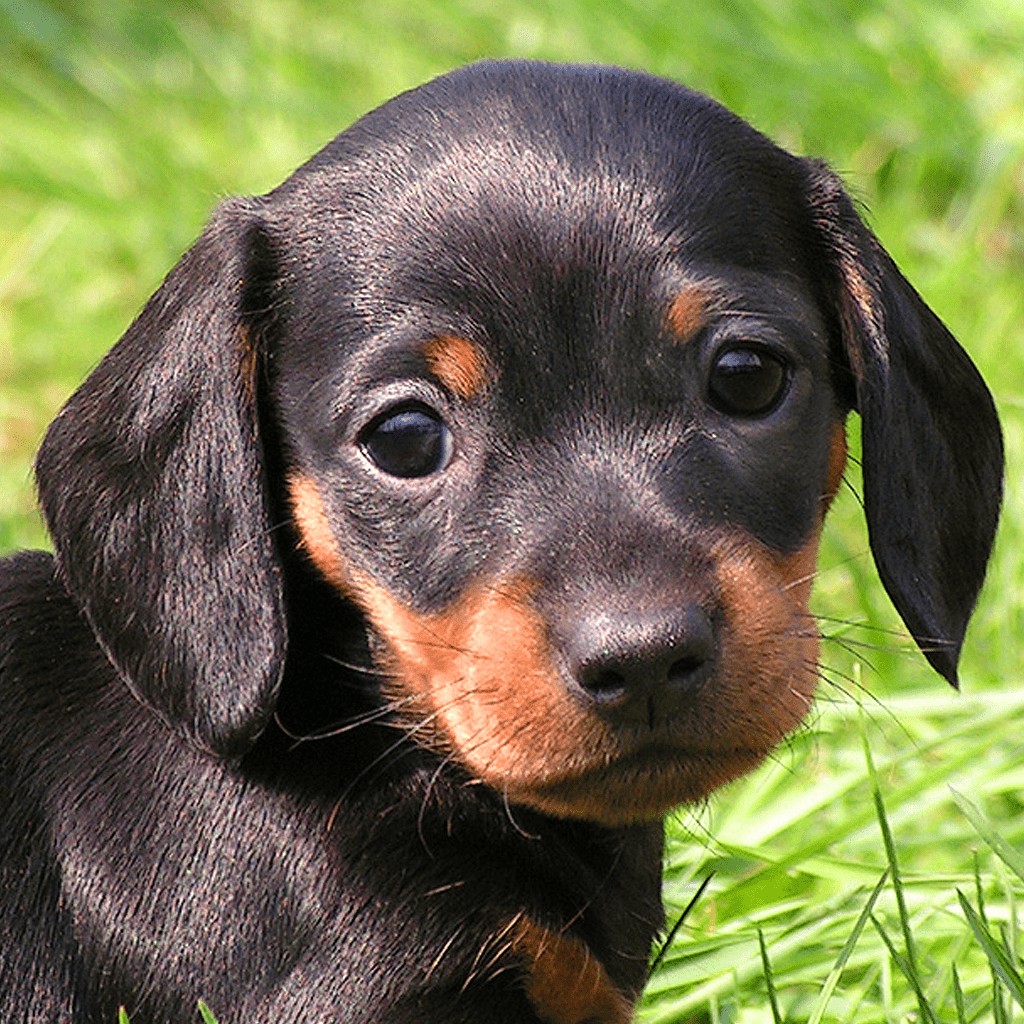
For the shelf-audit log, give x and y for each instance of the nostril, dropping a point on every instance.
(683, 671)
(603, 683)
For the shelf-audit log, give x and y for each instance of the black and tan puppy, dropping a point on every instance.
(447, 517)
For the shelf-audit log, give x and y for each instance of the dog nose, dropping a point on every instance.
(643, 668)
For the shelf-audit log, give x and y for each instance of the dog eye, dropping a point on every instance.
(409, 443)
(747, 381)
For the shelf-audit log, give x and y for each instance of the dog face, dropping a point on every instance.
(549, 368)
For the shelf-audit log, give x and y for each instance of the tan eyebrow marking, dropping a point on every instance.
(690, 311)
(459, 364)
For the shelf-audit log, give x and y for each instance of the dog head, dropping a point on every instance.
(550, 367)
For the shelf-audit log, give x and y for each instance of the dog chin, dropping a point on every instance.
(638, 789)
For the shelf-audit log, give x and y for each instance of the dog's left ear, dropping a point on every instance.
(152, 482)
(931, 444)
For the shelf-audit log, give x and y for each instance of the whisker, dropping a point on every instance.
(442, 953)
(799, 581)
(511, 817)
(863, 555)
(864, 624)
(853, 646)
(856, 650)
(848, 486)
(424, 802)
(830, 677)
(835, 679)
(356, 722)
(408, 732)
(364, 670)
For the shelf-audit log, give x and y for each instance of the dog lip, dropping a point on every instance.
(659, 755)
(689, 772)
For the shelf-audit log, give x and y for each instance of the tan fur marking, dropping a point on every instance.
(771, 639)
(478, 681)
(481, 672)
(689, 312)
(566, 984)
(861, 316)
(315, 534)
(458, 364)
(836, 466)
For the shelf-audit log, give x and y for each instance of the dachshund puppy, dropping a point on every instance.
(446, 518)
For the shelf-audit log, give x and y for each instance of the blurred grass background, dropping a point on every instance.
(121, 126)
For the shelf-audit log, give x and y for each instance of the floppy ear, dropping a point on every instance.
(151, 482)
(932, 447)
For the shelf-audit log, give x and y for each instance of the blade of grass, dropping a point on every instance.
(998, 1009)
(958, 997)
(207, 1013)
(768, 979)
(1012, 858)
(656, 963)
(833, 978)
(1001, 962)
(910, 970)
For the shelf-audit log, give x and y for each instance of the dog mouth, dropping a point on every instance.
(640, 786)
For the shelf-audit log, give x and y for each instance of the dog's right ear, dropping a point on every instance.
(152, 483)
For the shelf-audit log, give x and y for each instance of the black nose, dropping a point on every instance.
(643, 667)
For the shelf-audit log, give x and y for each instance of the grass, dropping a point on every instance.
(868, 872)
(800, 865)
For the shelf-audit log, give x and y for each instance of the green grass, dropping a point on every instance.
(862, 890)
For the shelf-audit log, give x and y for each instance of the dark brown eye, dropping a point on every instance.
(409, 443)
(747, 380)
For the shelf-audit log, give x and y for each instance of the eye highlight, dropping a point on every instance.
(409, 442)
(747, 380)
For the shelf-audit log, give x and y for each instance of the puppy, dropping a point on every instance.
(446, 518)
